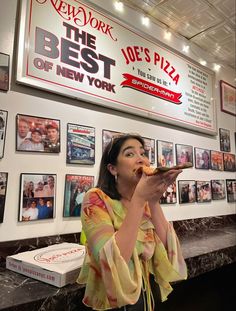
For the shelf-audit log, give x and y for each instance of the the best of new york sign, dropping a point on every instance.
(70, 48)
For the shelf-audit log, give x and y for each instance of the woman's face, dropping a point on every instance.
(130, 158)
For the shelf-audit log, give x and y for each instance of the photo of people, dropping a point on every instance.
(80, 144)
(165, 153)
(203, 191)
(169, 196)
(229, 162)
(202, 158)
(231, 190)
(75, 188)
(4, 71)
(217, 163)
(224, 140)
(3, 190)
(3, 128)
(187, 191)
(184, 153)
(37, 134)
(149, 148)
(107, 137)
(218, 189)
(37, 196)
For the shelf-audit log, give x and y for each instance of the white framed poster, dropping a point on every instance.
(72, 49)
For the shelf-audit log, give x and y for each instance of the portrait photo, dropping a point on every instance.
(165, 153)
(228, 97)
(107, 136)
(202, 158)
(184, 153)
(37, 134)
(203, 191)
(169, 196)
(4, 71)
(218, 189)
(3, 129)
(187, 191)
(80, 144)
(149, 148)
(3, 191)
(231, 190)
(217, 162)
(37, 196)
(75, 188)
(229, 162)
(224, 140)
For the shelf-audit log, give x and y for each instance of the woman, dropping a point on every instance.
(130, 245)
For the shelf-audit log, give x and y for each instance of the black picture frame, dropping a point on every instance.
(187, 191)
(3, 193)
(170, 195)
(203, 191)
(149, 149)
(107, 136)
(37, 198)
(80, 144)
(228, 98)
(4, 71)
(224, 136)
(37, 134)
(217, 163)
(3, 129)
(75, 188)
(202, 158)
(231, 190)
(184, 153)
(165, 153)
(229, 162)
(218, 189)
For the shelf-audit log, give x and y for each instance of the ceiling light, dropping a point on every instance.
(167, 35)
(203, 62)
(145, 20)
(217, 67)
(186, 48)
(119, 6)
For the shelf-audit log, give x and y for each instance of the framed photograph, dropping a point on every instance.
(187, 191)
(203, 191)
(75, 188)
(184, 153)
(4, 71)
(224, 140)
(149, 148)
(3, 129)
(202, 158)
(37, 134)
(228, 97)
(169, 196)
(165, 153)
(229, 162)
(217, 163)
(231, 190)
(3, 192)
(218, 189)
(80, 144)
(107, 137)
(37, 196)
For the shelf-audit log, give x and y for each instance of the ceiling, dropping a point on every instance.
(210, 24)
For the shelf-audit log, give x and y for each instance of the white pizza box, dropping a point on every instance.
(57, 264)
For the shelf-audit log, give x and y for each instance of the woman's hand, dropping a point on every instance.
(151, 188)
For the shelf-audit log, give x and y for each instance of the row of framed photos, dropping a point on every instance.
(37, 199)
(37, 134)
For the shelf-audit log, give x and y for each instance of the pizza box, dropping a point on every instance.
(57, 264)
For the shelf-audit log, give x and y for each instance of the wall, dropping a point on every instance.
(26, 100)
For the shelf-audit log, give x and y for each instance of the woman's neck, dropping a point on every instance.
(125, 191)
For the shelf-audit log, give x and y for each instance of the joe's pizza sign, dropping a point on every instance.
(70, 48)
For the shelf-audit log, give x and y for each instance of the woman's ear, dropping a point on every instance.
(112, 169)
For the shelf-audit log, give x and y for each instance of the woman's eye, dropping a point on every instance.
(130, 154)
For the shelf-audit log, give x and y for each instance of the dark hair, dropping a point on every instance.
(106, 181)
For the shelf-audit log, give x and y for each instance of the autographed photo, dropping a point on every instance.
(184, 153)
(75, 188)
(37, 134)
(37, 196)
(3, 190)
(3, 127)
(165, 153)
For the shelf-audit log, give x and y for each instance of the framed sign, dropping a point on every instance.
(78, 51)
(228, 97)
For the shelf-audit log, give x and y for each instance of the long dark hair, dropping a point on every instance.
(106, 181)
